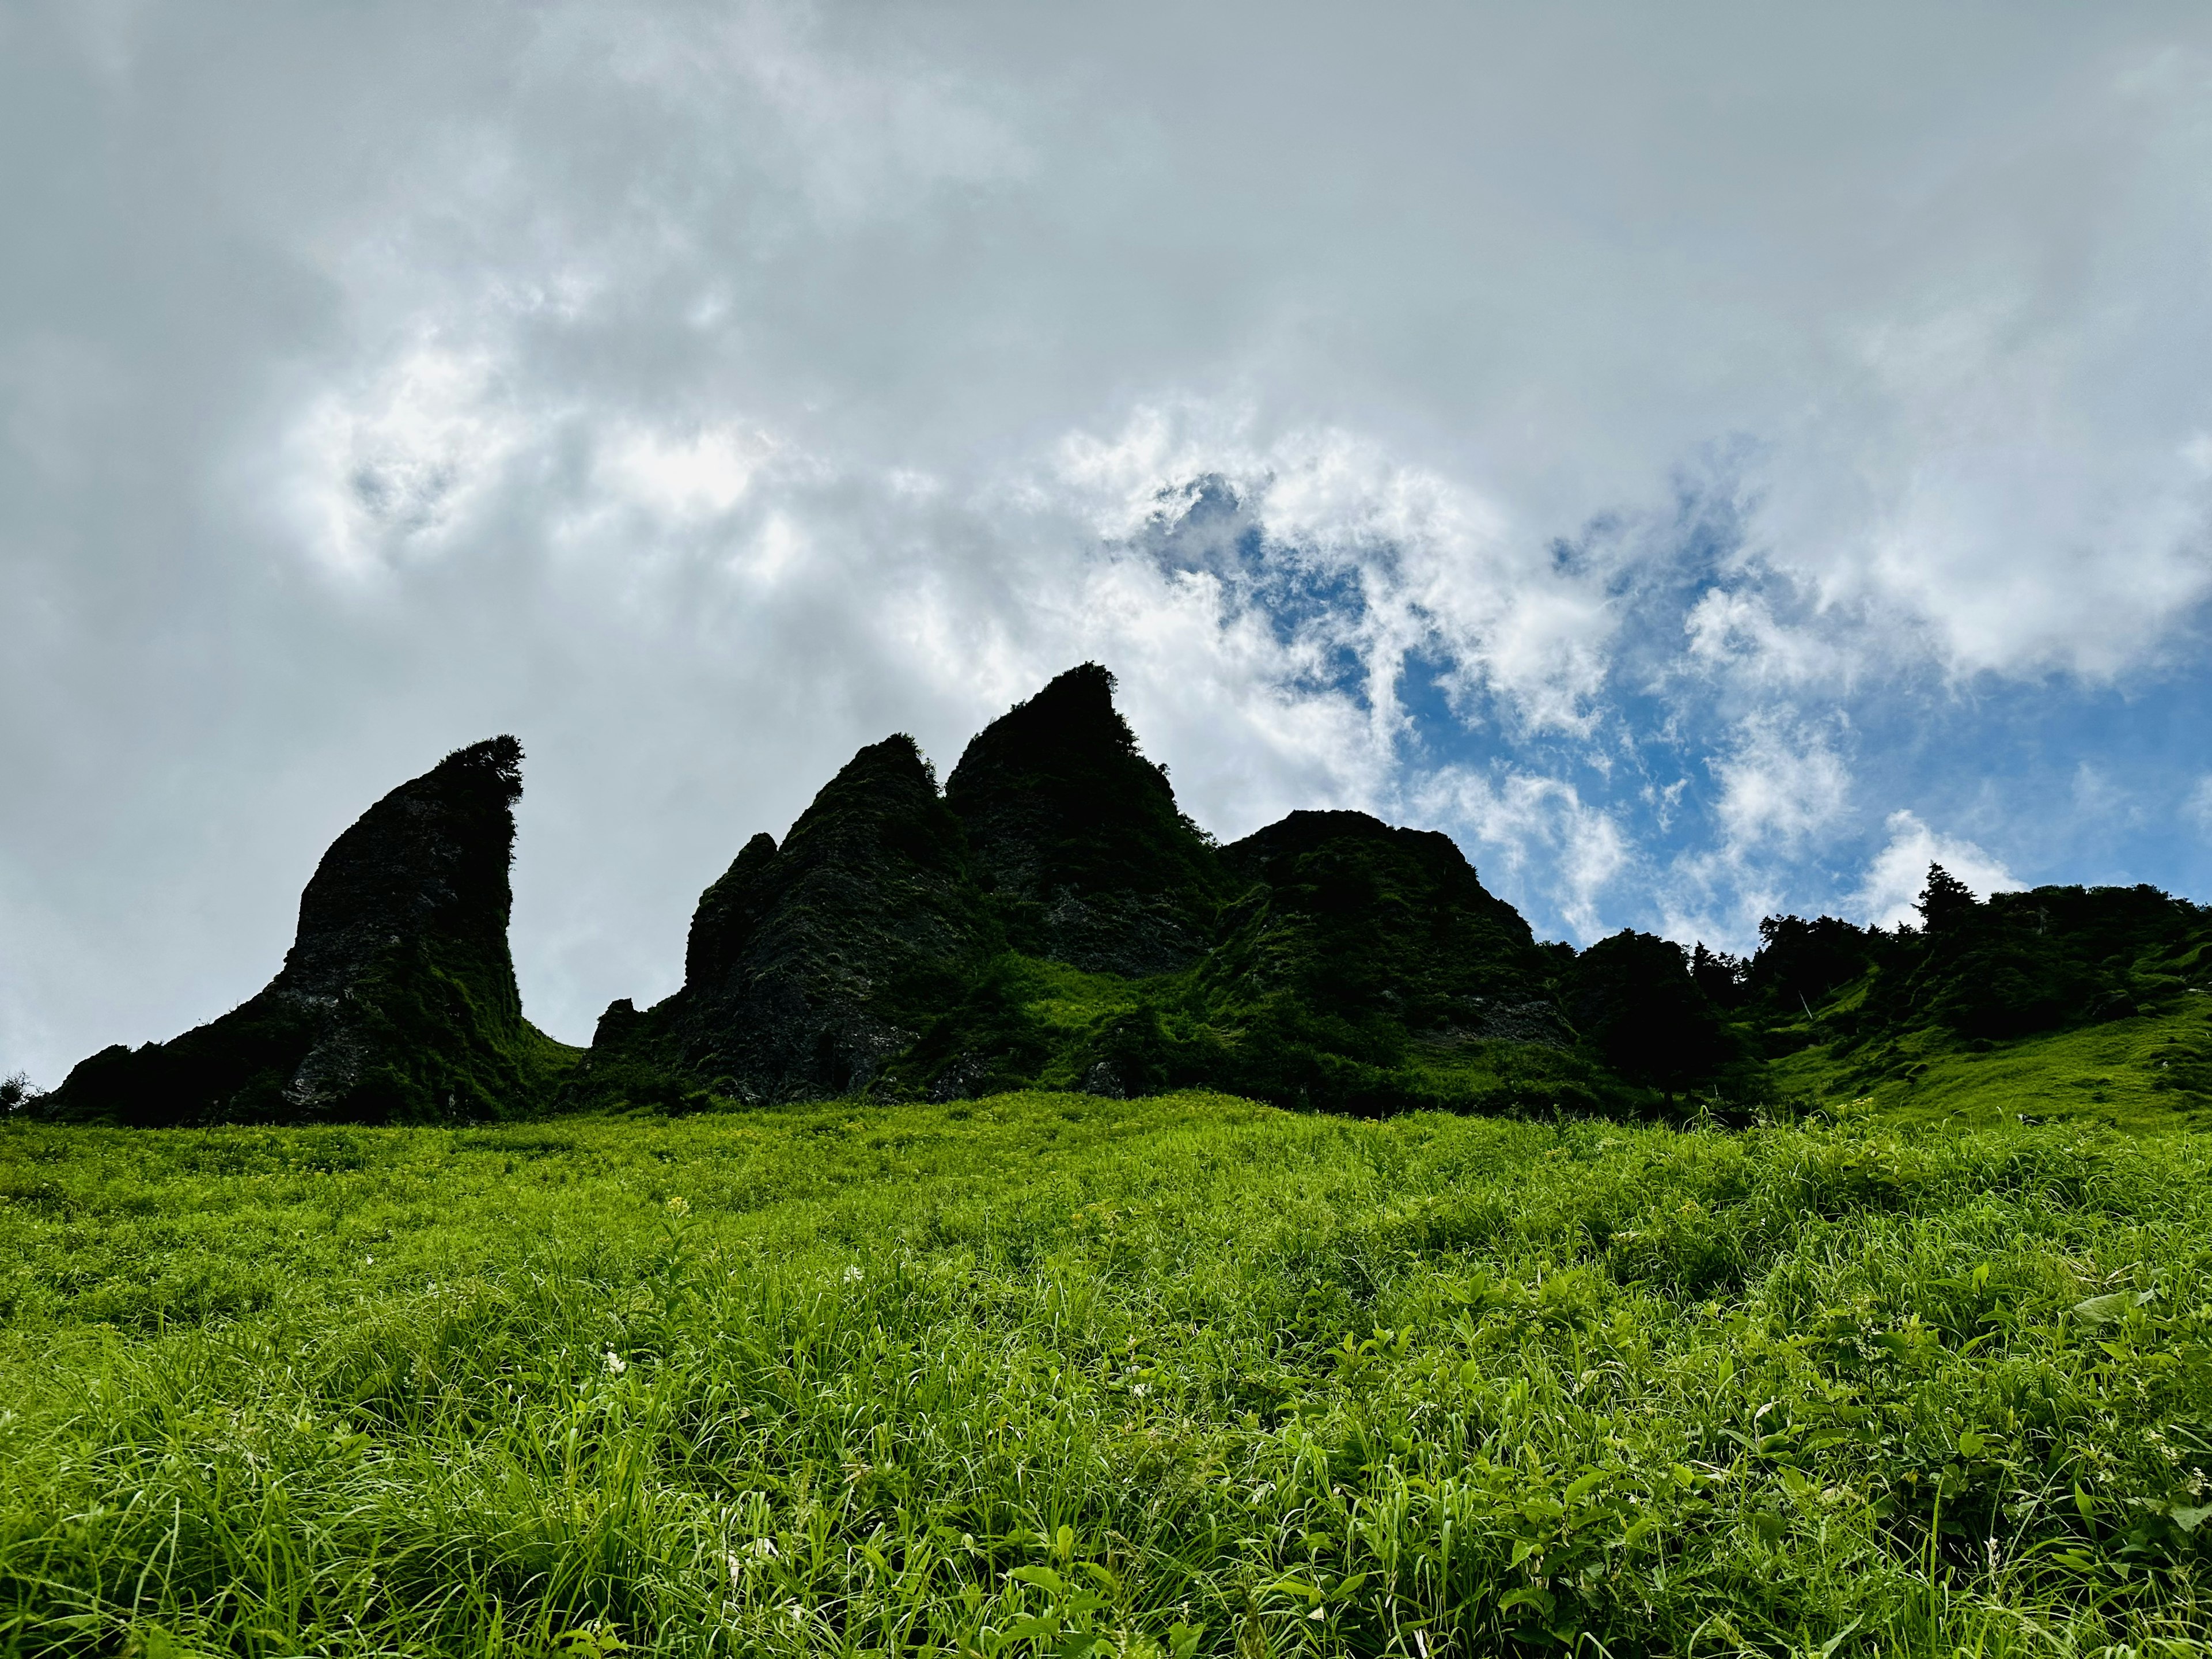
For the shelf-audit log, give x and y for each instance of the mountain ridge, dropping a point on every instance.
(1050, 918)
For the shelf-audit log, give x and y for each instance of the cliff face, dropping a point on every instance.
(396, 1000)
(429, 861)
(1052, 918)
(1361, 920)
(1078, 839)
(811, 964)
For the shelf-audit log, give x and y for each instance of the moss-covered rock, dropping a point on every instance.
(1368, 921)
(396, 1001)
(811, 964)
(1078, 839)
(1364, 963)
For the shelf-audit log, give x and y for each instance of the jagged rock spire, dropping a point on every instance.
(397, 998)
(812, 964)
(1077, 836)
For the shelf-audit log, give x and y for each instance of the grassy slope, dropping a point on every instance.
(1046, 1023)
(1186, 1371)
(2143, 1073)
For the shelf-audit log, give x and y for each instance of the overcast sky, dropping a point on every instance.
(1708, 460)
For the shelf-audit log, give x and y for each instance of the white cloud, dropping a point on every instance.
(1425, 564)
(2198, 805)
(702, 473)
(1780, 781)
(1899, 873)
(703, 390)
(1733, 633)
(385, 471)
(1548, 838)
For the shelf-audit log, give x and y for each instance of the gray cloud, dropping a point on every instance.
(701, 390)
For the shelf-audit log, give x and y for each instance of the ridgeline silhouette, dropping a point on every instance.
(1050, 918)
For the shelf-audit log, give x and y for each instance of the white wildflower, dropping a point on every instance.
(616, 1363)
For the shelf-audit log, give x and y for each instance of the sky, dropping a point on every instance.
(1710, 460)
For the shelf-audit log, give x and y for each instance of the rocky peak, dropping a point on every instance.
(884, 801)
(398, 999)
(433, 856)
(1363, 918)
(1077, 836)
(812, 964)
(728, 912)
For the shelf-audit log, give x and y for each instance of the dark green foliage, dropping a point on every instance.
(1800, 963)
(1635, 1003)
(2055, 956)
(2048, 958)
(1719, 975)
(1946, 903)
(992, 1039)
(397, 1002)
(1868, 1008)
(2006, 982)
(1077, 838)
(1363, 920)
(1363, 960)
(1363, 969)
(812, 964)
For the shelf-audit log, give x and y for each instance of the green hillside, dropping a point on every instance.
(2148, 1072)
(2058, 1003)
(1058, 1375)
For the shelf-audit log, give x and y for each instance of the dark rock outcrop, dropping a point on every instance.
(398, 999)
(811, 964)
(1078, 839)
(1360, 920)
(1366, 916)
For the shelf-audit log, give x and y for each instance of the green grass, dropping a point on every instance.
(2153, 1071)
(1051, 1374)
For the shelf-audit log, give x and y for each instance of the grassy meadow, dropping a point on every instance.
(2153, 1072)
(1048, 1374)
